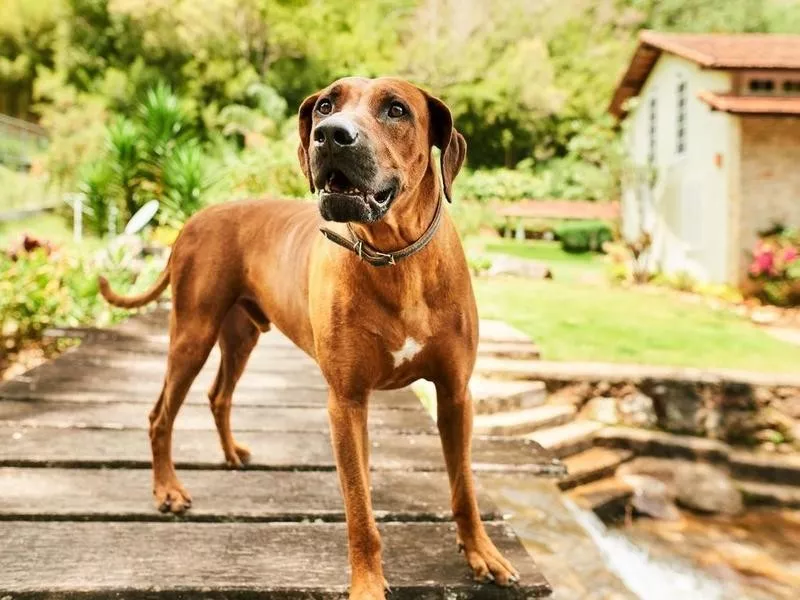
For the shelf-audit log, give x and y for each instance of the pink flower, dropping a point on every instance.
(790, 254)
(763, 260)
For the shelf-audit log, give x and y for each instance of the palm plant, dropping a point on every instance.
(124, 159)
(97, 184)
(185, 182)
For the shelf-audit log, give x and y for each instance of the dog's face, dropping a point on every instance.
(365, 145)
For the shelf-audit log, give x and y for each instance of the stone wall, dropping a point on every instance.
(753, 414)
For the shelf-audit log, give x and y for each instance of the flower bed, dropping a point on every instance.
(774, 273)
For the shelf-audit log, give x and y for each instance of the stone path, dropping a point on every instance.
(77, 518)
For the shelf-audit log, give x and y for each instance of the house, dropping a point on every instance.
(711, 123)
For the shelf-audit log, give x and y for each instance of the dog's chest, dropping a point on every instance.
(406, 352)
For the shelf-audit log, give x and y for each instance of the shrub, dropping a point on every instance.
(44, 287)
(584, 236)
(500, 184)
(775, 268)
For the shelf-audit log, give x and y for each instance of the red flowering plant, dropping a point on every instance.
(776, 268)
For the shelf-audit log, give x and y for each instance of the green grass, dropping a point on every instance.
(565, 266)
(47, 226)
(599, 322)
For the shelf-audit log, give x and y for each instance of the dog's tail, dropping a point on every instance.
(135, 301)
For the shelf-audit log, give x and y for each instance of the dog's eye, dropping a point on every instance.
(324, 107)
(396, 110)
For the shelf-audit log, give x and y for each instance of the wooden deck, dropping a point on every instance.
(77, 519)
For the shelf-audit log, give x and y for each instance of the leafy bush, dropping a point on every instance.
(47, 287)
(153, 156)
(775, 268)
(24, 190)
(500, 184)
(584, 236)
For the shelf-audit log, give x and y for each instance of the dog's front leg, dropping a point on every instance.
(348, 417)
(454, 420)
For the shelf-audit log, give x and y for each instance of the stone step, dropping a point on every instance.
(520, 422)
(666, 445)
(591, 465)
(608, 498)
(769, 494)
(744, 465)
(769, 468)
(500, 331)
(568, 439)
(489, 396)
(510, 350)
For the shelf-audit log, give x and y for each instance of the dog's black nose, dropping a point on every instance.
(336, 130)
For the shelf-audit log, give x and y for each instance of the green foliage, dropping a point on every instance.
(584, 236)
(56, 288)
(528, 82)
(185, 181)
(150, 156)
(98, 206)
(22, 190)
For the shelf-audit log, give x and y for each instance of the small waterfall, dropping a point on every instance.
(645, 576)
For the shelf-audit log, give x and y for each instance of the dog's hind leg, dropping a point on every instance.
(237, 338)
(190, 345)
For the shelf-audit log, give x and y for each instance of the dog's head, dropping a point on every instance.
(365, 145)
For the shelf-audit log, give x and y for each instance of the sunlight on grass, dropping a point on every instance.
(642, 325)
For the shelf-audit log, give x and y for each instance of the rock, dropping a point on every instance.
(637, 410)
(520, 267)
(682, 410)
(706, 488)
(763, 396)
(765, 315)
(575, 394)
(652, 497)
(698, 486)
(769, 435)
(602, 410)
(768, 447)
(745, 427)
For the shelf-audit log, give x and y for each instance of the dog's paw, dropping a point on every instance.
(486, 562)
(238, 458)
(172, 497)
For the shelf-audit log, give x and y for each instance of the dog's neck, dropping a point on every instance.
(407, 220)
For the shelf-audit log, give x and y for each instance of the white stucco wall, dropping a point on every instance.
(687, 210)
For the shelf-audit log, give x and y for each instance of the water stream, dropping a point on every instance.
(752, 557)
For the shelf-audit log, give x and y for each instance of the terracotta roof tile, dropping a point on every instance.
(752, 105)
(710, 50)
(730, 51)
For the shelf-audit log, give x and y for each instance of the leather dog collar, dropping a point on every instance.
(381, 259)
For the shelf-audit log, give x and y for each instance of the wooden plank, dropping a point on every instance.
(197, 417)
(240, 560)
(125, 495)
(297, 397)
(273, 451)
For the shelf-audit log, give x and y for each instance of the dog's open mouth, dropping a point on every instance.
(339, 184)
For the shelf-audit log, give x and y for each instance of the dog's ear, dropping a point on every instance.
(451, 144)
(304, 125)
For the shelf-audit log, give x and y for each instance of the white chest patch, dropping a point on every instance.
(409, 350)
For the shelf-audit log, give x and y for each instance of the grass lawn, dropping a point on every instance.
(599, 322)
(47, 226)
(565, 266)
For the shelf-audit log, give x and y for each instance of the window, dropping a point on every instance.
(791, 86)
(682, 116)
(761, 86)
(653, 122)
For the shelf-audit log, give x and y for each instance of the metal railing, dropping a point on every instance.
(19, 140)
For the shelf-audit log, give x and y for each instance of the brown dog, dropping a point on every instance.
(373, 319)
